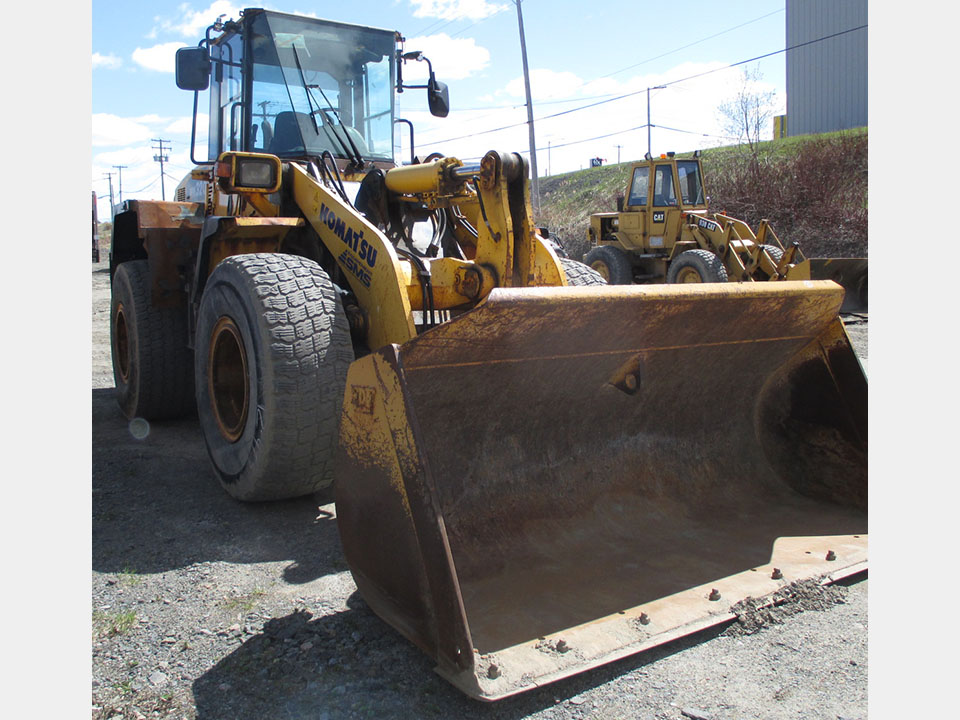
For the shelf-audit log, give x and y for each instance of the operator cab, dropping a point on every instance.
(655, 184)
(300, 88)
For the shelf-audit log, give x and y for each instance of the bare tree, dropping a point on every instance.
(748, 113)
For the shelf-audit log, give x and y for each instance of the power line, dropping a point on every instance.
(552, 146)
(460, 32)
(439, 24)
(684, 47)
(615, 72)
(146, 187)
(665, 85)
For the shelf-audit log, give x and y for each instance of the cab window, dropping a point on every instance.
(691, 188)
(663, 192)
(639, 187)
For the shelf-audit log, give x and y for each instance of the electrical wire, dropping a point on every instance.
(664, 85)
(684, 47)
(146, 187)
(615, 72)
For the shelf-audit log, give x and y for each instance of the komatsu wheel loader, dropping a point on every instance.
(535, 473)
(665, 232)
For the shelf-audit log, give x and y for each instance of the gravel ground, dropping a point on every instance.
(204, 607)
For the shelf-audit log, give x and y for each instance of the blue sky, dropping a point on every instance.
(578, 54)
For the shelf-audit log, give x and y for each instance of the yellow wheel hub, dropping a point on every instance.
(689, 275)
(601, 267)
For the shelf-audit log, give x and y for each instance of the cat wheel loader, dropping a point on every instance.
(535, 473)
(665, 232)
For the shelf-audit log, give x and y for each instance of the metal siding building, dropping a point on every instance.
(826, 81)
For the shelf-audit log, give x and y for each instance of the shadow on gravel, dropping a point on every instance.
(352, 665)
(157, 506)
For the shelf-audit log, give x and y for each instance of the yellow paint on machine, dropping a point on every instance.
(370, 263)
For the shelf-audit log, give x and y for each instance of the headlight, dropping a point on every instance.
(256, 173)
(249, 172)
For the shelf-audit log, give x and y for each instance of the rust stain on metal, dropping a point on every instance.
(363, 398)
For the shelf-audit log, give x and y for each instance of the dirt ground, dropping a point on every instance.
(204, 607)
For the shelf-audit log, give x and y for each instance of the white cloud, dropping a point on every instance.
(111, 131)
(452, 58)
(456, 9)
(111, 62)
(545, 85)
(193, 23)
(159, 57)
(183, 125)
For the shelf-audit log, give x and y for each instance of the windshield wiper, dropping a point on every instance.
(355, 157)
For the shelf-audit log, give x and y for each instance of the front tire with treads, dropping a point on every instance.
(272, 351)
(696, 266)
(611, 263)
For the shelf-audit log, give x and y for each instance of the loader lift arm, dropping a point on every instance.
(508, 252)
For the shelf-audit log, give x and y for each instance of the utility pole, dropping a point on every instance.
(119, 182)
(658, 87)
(533, 142)
(110, 178)
(161, 158)
(618, 153)
(549, 143)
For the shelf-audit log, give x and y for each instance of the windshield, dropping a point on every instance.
(320, 86)
(690, 186)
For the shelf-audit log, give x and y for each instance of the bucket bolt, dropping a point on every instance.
(831, 555)
(776, 575)
(493, 672)
(562, 646)
(714, 595)
(644, 619)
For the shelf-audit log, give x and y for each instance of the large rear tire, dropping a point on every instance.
(696, 266)
(273, 348)
(612, 264)
(774, 252)
(152, 365)
(579, 274)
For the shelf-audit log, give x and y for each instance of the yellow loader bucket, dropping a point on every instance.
(562, 477)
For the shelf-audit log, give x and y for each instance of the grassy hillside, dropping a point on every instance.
(813, 190)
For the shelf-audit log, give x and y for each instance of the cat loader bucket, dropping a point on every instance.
(565, 476)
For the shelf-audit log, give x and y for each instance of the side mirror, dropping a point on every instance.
(438, 97)
(193, 68)
(619, 203)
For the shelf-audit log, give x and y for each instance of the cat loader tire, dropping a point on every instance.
(774, 252)
(696, 266)
(612, 264)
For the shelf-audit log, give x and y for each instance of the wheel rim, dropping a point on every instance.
(688, 275)
(121, 343)
(601, 267)
(227, 379)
